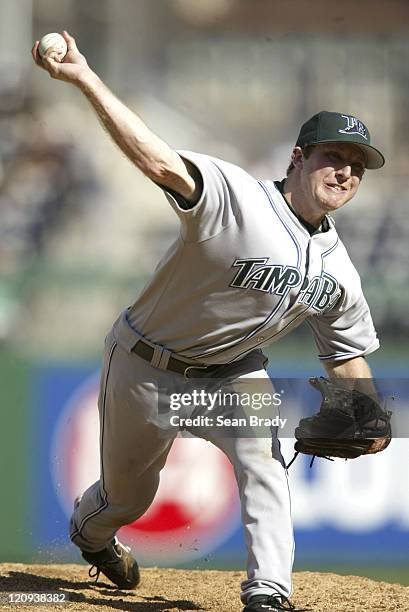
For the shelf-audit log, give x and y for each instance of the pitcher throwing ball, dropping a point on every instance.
(253, 260)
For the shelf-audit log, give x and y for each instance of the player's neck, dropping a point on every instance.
(296, 199)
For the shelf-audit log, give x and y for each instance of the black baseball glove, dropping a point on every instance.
(348, 424)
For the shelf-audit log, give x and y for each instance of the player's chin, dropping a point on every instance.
(335, 200)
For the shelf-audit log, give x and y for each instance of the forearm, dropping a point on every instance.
(352, 368)
(355, 373)
(147, 151)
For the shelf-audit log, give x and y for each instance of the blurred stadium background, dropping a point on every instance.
(81, 229)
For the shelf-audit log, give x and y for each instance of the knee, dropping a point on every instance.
(133, 500)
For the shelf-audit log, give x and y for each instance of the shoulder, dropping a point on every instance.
(217, 166)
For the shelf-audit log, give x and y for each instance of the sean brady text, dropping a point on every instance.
(222, 421)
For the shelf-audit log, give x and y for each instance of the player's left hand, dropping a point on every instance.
(70, 69)
(349, 424)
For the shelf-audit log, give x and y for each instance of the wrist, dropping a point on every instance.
(87, 79)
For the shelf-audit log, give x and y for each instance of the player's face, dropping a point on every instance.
(331, 175)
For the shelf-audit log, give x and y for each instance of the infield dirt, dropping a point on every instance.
(170, 590)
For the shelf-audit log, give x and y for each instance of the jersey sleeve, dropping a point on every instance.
(344, 332)
(219, 204)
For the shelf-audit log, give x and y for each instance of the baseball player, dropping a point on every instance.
(252, 261)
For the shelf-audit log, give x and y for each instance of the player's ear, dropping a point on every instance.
(297, 157)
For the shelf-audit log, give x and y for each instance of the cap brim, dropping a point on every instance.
(373, 158)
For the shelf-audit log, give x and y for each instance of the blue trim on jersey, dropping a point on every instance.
(329, 251)
(278, 305)
(332, 248)
(333, 355)
(323, 255)
(271, 315)
(270, 199)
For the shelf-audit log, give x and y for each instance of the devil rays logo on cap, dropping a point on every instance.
(354, 126)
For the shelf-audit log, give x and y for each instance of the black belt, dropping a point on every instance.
(144, 350)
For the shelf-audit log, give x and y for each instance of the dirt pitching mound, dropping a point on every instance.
(169, 590)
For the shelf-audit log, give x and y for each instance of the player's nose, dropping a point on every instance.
(344, 173)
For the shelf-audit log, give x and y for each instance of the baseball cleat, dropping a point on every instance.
(270, 603)
(116, 563)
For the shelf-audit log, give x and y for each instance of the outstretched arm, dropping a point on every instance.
(147, 151)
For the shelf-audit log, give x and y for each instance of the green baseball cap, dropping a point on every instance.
(337, 127)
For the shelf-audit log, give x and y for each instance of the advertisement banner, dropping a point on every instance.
(344, 511)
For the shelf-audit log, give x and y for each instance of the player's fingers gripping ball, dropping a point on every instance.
(54, 45)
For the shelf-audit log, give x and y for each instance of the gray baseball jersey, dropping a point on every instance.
(245, 271)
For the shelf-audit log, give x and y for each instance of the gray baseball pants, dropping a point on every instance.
(133, 451)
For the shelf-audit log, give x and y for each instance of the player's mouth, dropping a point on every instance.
(335, 187)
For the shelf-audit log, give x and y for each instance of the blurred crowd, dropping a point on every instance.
(43, 180)
(81, 229)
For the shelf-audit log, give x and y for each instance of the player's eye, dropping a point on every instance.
(333, 156)
(358, 169)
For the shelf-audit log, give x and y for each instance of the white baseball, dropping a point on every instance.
(55, 42)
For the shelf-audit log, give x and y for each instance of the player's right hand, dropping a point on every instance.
(70, 69)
